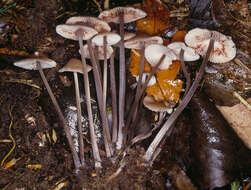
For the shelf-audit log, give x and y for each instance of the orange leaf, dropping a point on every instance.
(179, 36)
(157, 18)
(170, 73)
(135, 63)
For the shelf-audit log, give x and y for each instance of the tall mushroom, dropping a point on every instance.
(80, 33)
(40, 63)
(121, 15)
(75, 66)
(107, 39)
(100, 26)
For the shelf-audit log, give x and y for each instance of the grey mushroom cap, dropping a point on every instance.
(112, 38)
(155, 106)
(31, 63)
(94, 22)
(70, 31)
(74, 65)
(189, 53)
(130, 14)
(135, 43)
(100, 52)
(154, 52)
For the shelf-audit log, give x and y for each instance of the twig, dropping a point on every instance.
(238, 62)
(11, 137)
(242, 100)
(152, 148)
(98, 5)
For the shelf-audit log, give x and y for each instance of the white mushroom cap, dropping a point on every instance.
(154, 52)
(151, 82)
(196, 36)
(70, 31)
(96, 23)
(224, 48)
(74, 65)
(153, 105)
(31, 63)
(130, 14)
(100, 52)
(129, 35)
(135, 43)
(112, 38)
(189, 53)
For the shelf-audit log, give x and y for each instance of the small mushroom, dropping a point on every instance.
(96, 23)
(121, 15)
(130, 14)
(224, 48)
(71, 31)
(154, 52)
(80, 33)
(134, 43)
(44, 63)
(155, 106)
(100, 52)
(104, 39)
(129, 35)
(75, 66)
(189, 53)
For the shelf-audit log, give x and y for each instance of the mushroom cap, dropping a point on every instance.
(100, 52)
(130, 14)
(135, 43)
(111, 37)
(153, 105)
(196, 36)
(151, 82)
(189, 53)
(129, 35)
(31, 63)
(74, 65)
(224, 48)
(154, 52)
(96, 23)
(70, 31)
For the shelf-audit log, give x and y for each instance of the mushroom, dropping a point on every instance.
(75, 66)
(122, 15)
(40, 63)
(224, 48)
(102, 26)
(155, 106)
(80, 33)
(96, 23)
(189, 53)
(100, 53)
(134, 43)
(155, 51)
(129, 35)
(104, 39)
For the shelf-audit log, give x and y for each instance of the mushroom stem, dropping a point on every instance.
(114, 100)
(95, 149)
(133, 113)
(152, 148)
(122, 81)
(184, 69)
(79, 116)
(97, 79)
(97, 59)
(141, 92)
(61, 117)
(105, 75)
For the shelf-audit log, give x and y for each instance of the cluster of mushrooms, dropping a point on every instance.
(100, 45)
